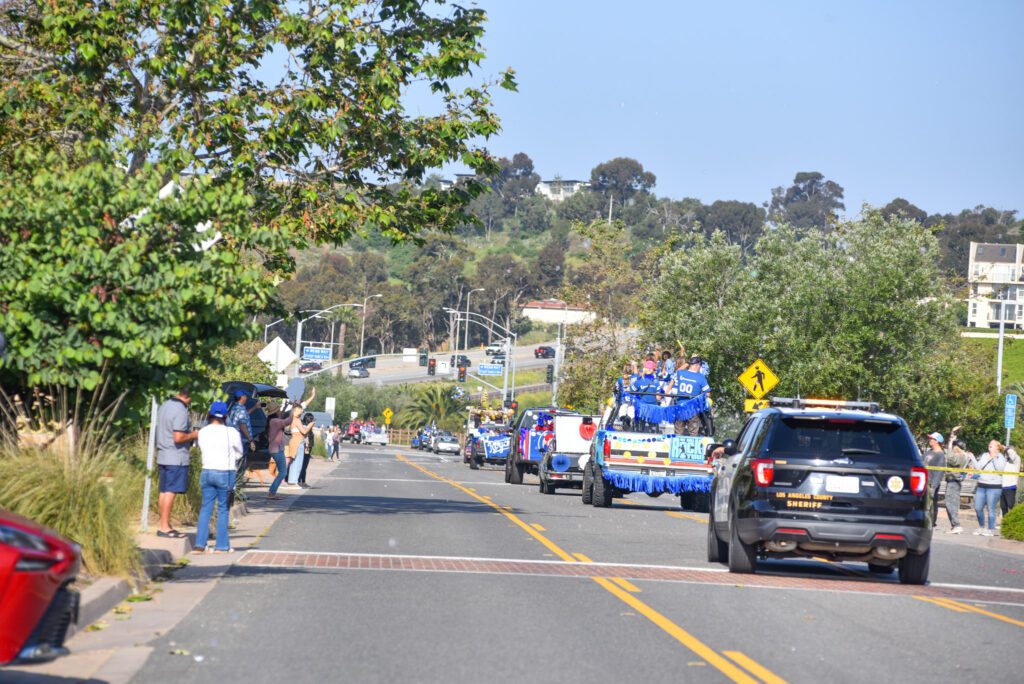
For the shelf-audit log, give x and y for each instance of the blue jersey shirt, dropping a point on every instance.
(238, 415)
(646, 383)
(690, 384)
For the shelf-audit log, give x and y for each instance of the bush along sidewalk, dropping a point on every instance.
(1013, 523)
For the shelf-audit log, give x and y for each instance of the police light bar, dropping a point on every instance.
(800, 403)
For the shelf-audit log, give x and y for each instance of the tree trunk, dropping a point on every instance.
(341, 340)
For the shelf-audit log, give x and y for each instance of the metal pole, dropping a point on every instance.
(362, 328)
(298, 340)
(504, 382)
(558, 356)
(999, 356)
(150, 457)
(465, 344)
(515, 343)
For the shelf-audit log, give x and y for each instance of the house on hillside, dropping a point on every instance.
(995, 273)
(559, 189)
(556, 311)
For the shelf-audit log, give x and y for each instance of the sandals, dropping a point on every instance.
(223, 550)
(172, 534)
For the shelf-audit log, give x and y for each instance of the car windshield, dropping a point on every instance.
(834, 438)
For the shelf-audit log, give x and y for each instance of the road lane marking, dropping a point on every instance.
(940, 602)
(964, 607)
(666, 625)
(685, 516)
(551, 546)
(583, 558)
(410, 480)
(538, 527)
(755, 668)
(626, 584)
(678, 633)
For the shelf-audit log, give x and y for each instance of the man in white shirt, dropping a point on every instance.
(221, 448)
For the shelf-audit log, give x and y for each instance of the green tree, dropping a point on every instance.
(433, 403)
(282, 123)
(811, 201)
(862, 312)
(620, 179)
(741, 222)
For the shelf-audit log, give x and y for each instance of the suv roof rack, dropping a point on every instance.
(801, 403)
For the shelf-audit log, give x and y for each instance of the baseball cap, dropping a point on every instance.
(239, 393)
(937, 437)
(218, 409)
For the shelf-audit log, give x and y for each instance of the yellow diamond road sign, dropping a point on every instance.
(758, 379)
(387, 414)
(751, 405)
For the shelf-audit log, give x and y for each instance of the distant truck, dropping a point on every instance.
(532, 434)
(564, 457)
(623, 461)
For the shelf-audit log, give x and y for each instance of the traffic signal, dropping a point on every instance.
(551, 373)
(431, 366)
(462, 374)
(512, 404)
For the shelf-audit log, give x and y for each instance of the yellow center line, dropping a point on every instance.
(940, 602)
(626, 584)
(954, 605)
(582, 558)
(754, 668)
(538, 527)
(686, 516)
(672, 629)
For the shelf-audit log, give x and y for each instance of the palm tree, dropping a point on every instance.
(434, 403)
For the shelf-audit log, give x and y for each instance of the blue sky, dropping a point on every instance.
(726, 100)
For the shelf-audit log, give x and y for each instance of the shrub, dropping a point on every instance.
(1013, 523)
(90, 498)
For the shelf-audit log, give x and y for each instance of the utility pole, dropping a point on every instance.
(610, 199)
(999, 355)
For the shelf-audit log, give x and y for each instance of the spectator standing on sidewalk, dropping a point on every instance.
(990, 486)
(276, 427)
(336, 439)
(221, 448)
(174, 437)
(1009, 494)
(307, 449)
(956, 457)
(935, 457)
(294, 446)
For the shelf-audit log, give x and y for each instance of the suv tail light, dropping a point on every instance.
(764, 471)
(918, 480)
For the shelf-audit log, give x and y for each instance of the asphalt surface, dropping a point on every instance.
(291, 616)
(392, 370)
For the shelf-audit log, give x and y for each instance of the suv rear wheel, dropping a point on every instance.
(914, 568)
(601, 496)
(718, 550)
(742, 557)
(516, 474)
(588, 483)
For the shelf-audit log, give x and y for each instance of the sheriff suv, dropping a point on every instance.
(839, 480)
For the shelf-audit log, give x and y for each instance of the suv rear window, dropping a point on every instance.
(859, 440)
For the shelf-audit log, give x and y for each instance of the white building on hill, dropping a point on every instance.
(995, 272)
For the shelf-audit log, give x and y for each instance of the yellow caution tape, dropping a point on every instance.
(969, 470)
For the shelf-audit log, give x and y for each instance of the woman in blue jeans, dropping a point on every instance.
(990, 486)
(221, 449)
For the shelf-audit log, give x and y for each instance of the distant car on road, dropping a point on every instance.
(37, 568)
(377, 436)
(309, 367)
(461, 360)
(448, 444)
(544, 352)
(494, 348)
(358, 372)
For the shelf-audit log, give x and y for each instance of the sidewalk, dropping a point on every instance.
(117, 645)
(969, 521)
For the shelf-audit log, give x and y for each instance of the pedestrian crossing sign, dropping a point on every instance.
(758, 379)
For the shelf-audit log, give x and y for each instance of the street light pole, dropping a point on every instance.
(999, 355)
(479, 289)
(362, 329)
(298, 327)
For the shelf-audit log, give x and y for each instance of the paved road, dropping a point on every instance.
(494, 582)
(394, 371)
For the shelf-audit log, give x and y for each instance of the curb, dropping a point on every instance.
(97, 599)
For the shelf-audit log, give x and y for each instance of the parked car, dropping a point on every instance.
(461, 360)
(258, 394)
(544, 352)
(309, 367)
(37, 603)
(447, 443)
(358, 372)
